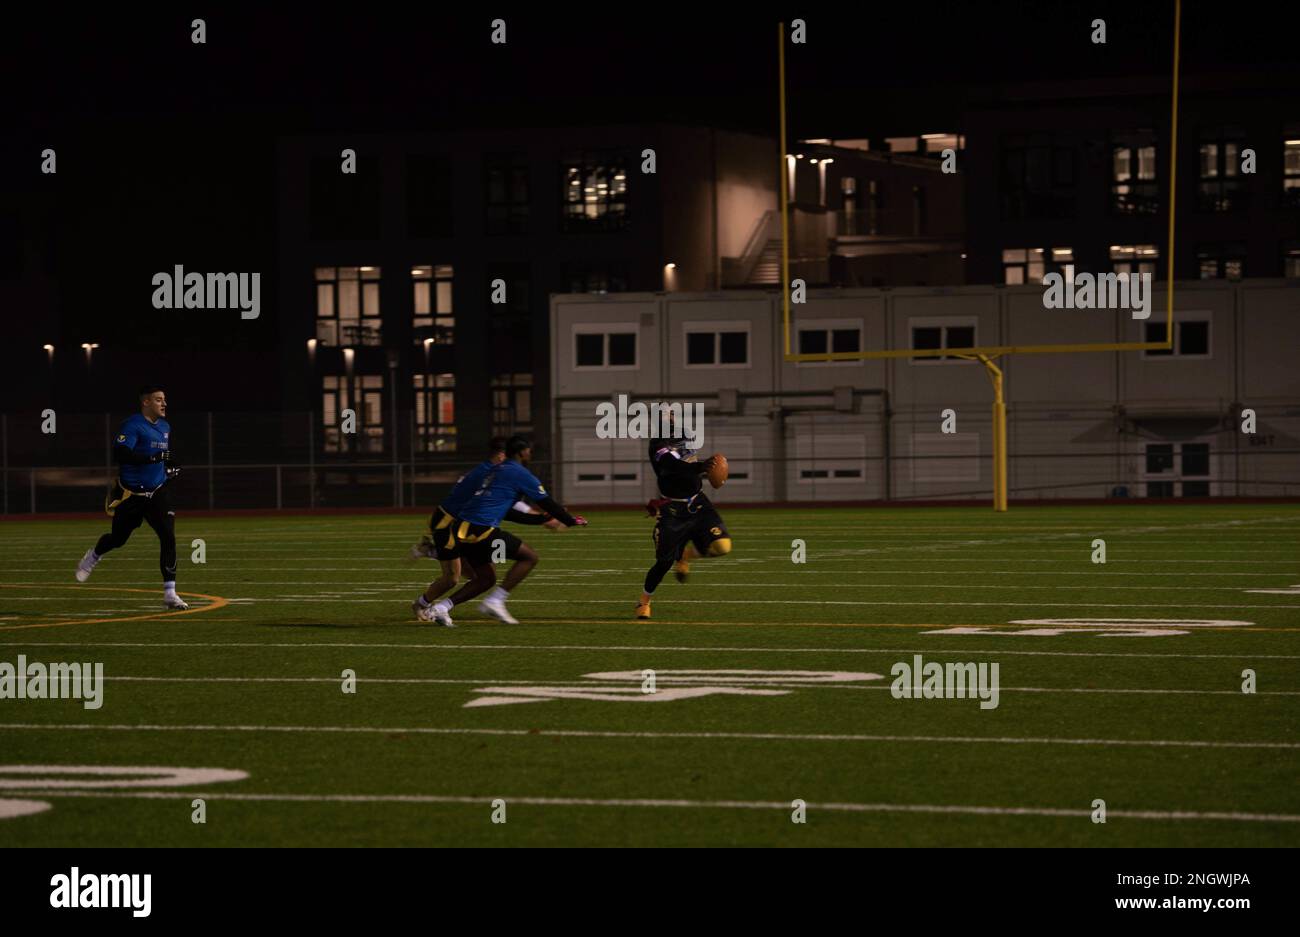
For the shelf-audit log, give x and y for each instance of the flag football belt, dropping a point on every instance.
(111, 503)
(678, 506)
(464, 533)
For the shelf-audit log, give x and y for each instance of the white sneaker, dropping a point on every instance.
(172, 600)
(88, 562)
(442, 615)
(497, 609)
(422, 612)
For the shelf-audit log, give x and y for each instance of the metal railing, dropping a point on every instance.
(296, 486)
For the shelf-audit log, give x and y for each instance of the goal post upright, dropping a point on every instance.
(983, 353)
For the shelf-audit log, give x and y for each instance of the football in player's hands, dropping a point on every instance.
(718, 469)
(579, 521)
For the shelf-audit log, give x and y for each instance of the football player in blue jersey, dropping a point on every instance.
(466, 527)
(142, 450)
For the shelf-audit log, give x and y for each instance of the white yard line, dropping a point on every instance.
(486, 801)
(1019, 604)
(646, 647)
(687, 736)
(670, 681)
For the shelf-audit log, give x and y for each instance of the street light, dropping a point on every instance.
(90, 350)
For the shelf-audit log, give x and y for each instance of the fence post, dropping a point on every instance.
(412, 438)
(211, 485)
(311, 460)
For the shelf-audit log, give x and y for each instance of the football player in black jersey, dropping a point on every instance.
(687, 525)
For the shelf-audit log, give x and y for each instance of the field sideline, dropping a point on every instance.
(772, 685)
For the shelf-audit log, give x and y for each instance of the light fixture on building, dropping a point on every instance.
(671, 266)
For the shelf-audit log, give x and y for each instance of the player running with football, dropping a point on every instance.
(687, 525)
(142, 450)
(466, 527)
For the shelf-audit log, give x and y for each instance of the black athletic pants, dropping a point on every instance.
(128, 516)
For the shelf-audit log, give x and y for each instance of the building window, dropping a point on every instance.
(717, 344)
(435, 412)
(1291, 259)
(507, 195)
(1134, 258)
(740, 456)
(1178, 469)
(1037, 179)
(428, 197)
(1134, 189)
(343, 206)
(1222, 261)
(875, 207)
(362, 394)
(598, 461)
(1291, 168)
(942, 333)
(510, 324)
(596, 278)
(1191, 339)
(434, 323)
(1021, 265)
(595, 195)
(1220, 187)
(596, 346)
(347, 306)
(830, 337)
(512, 404)
(823, 457)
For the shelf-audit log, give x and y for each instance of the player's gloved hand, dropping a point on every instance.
(579, 521)
(653, 505)
(159, 456)
(172, 469)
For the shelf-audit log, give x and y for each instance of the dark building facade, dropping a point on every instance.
(416, 288)
(1077, 175)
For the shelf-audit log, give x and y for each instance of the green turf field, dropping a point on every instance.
(790, 665)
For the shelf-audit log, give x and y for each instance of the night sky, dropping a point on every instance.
(167, 149)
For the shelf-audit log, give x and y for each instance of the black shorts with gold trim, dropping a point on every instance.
(680, 522)
(451, 536)
(480, 553)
